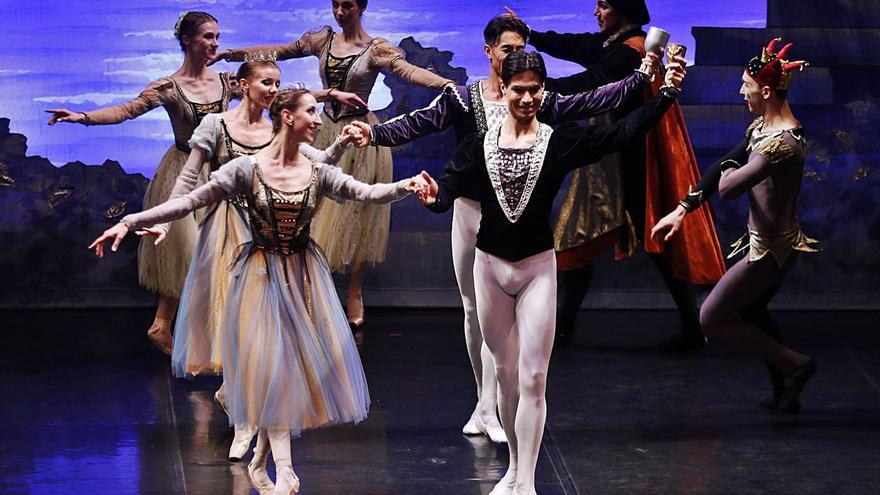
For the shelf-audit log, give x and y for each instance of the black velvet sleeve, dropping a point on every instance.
(462, 176)
(581, 48)
(616, 63)
(587, 144)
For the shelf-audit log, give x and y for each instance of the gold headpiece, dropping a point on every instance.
(261, 56)
(179, 22)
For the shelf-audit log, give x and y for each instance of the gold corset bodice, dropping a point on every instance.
(280, 220)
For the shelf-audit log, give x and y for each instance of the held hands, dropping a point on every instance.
(671, 222)
(65, 115)
(358, 133)
(426, 188)
(675, 72)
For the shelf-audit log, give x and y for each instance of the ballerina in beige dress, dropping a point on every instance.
(188, 95)
(352, 234)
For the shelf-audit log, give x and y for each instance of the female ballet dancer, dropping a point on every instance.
(351, 234)
(217, 140)
(515, 170)
(188, 95)
(290, 362)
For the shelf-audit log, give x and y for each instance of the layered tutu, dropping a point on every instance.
(289, 357)
(163, 268)
(353, 233)
(197, 338)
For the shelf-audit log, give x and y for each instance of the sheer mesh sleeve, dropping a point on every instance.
(231, 178)
(339, 186)
(310, 43)
(390, 59)
(155, 95)
(330, 155)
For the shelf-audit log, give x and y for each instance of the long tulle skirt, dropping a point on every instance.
(197, 338)
(163, 268)
(289, 357)
(352, 233)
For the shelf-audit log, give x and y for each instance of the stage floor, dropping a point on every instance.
(89, 407)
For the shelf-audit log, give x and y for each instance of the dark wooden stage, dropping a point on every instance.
(90, 407)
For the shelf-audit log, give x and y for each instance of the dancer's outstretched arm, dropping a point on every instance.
(670, 224)
(389, 59)
(439, 115)
(229, 179)
(153, 96)
(340, 186)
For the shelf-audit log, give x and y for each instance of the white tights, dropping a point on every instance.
(465, 225)
(516, 305)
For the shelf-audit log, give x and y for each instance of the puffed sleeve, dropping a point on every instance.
(339, 186)
(155, 95)
(440, 114)
(230, 179)
(310, 43)
(390, 59)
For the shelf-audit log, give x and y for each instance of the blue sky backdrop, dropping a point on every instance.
(84, 54)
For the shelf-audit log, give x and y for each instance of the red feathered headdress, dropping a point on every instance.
(771, 68)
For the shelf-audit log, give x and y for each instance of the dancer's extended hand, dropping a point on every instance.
(116, 232)
(671, 223)
(65, 115)
(675, 72)
(360, 133)
(427, 192)
(155, 231)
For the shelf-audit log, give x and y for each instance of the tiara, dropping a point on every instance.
(296, 86)
(179, 22)
(261, 56)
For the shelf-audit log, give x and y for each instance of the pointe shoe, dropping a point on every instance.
(287, 482)
(470, 428)
(220, 401)
(502, 488)
(259, 477)
(354, 310)
(160, 336)
(241, 442)
(491, 428)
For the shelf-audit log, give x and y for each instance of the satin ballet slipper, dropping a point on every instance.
(160, 335)
(241, 442)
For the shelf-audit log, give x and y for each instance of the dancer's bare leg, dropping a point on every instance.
(160, 331)
(465, 224)
(497, 310)
(286, 481)
(354, 306)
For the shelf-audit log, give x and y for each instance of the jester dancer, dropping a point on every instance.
(474, 109)
(624, 196)
(768, 166)
(515, 170)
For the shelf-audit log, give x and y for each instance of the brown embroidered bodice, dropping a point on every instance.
(280, 220)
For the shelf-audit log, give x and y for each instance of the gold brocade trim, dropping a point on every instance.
(778, 245)
(775, 150)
